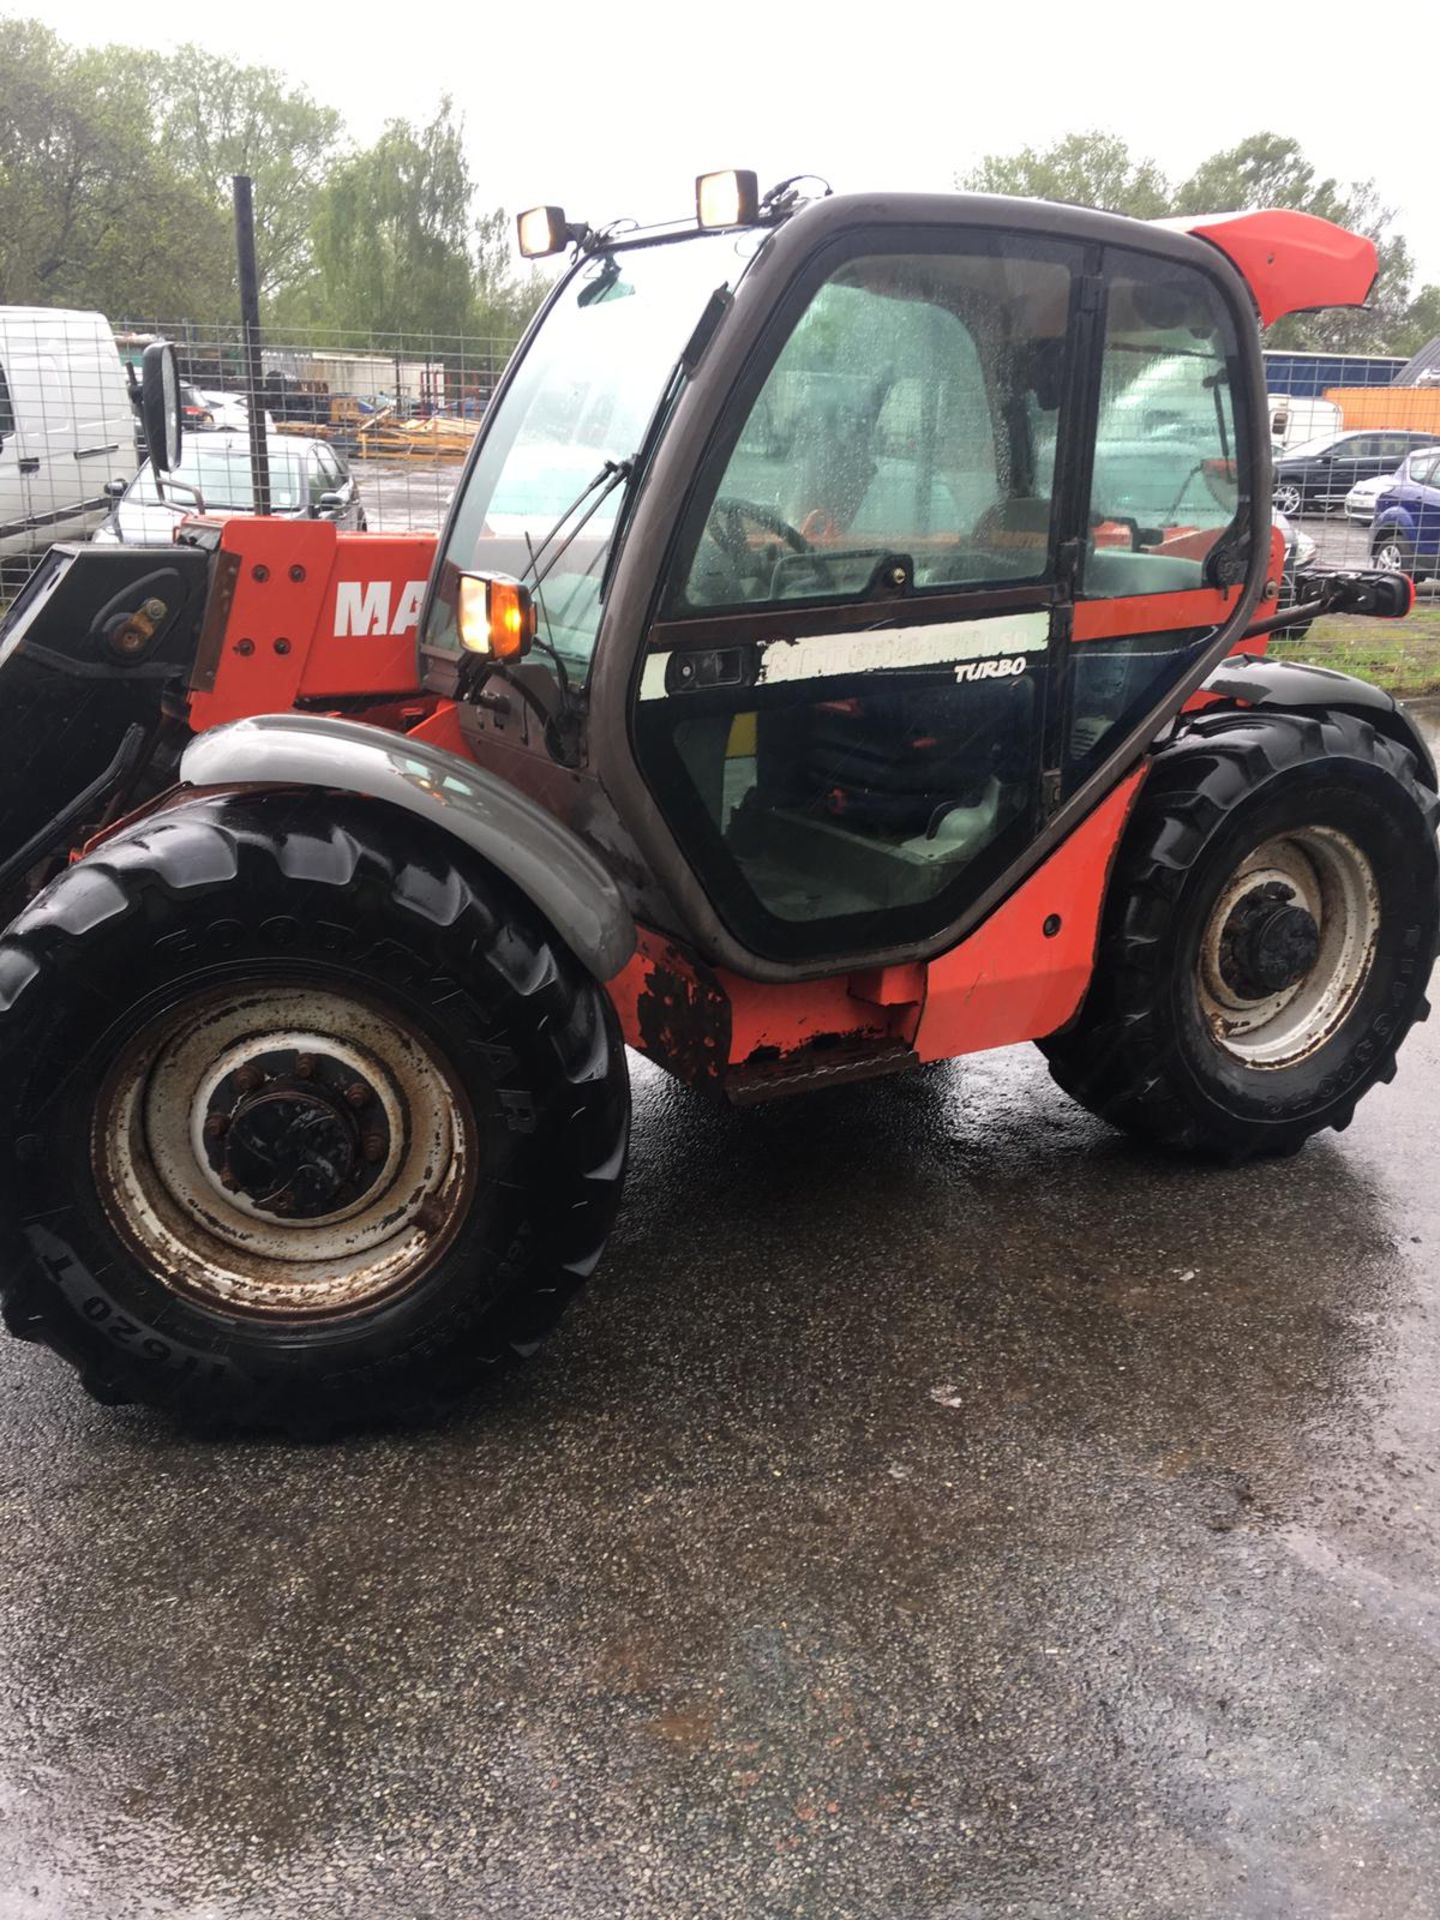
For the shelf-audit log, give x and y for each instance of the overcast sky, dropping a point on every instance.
(612, 110)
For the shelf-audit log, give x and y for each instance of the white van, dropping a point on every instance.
(67, 428)
(1294, 421)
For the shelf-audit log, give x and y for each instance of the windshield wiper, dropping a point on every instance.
(613, 474)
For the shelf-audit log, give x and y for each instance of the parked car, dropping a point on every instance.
(229, 410)
(1318, 475)
(196, 414)
(1406, 536)
(308, 481)
(1360, 501)
(65, 429)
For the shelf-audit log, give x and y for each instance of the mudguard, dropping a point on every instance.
(517, 837)
(1252, 680)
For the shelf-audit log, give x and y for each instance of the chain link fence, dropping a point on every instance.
(396, 413)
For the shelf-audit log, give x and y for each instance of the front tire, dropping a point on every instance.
(1267, 939)
(307, 1120)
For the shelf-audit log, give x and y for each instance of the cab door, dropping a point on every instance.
(847, 704)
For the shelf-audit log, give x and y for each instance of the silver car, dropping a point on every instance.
(308, 481)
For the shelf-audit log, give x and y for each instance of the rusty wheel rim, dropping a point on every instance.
(290, 1151)
(1288, 947)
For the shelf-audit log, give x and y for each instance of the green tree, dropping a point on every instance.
(218, 118)
(1422, 321)
(1083, 169)
(392, 235)
(91, 214)
(1265, 170)
(504, 300)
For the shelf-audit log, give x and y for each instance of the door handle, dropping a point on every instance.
(30, 466)
(89, 453)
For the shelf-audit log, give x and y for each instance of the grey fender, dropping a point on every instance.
(1285, 686)
(517, 837)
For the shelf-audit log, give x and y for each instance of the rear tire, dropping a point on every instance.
(306, 1118)
(1267, 939)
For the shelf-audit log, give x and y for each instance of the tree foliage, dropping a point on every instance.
(219, 119)
(1083, 170)
(115, 192)
(392, 233)
(1265, 170)
(91, 212)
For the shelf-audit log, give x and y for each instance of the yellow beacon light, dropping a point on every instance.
(495, 616)
(730, 199)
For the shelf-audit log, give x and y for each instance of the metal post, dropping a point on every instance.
(250, 319)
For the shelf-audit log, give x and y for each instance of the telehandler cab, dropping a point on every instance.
(846, 651)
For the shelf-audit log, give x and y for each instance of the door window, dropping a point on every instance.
(1165, 499)
(1163, 490)
(7, 411)
(856, 782)
(910, 416)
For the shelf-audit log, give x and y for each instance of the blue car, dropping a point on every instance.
(1405, 537)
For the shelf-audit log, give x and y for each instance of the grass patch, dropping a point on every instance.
(1402, 656)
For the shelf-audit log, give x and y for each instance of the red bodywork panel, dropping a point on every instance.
(1291, 262)
(316, 616)
(1008, 981)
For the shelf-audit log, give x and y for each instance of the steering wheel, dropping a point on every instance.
(727, 529)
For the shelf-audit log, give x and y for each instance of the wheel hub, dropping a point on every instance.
(298, 1134)
(289, 1149)
(1288, 946)
(1269, 943)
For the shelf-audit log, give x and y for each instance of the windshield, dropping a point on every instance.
(583, 394)
(220, 470)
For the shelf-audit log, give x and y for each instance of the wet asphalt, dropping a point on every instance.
(937, 1506)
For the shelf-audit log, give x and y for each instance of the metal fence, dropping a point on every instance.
(396, 412)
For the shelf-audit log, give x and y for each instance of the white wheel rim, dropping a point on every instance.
(1389, 558)
(1287, 499)
(1322, 873)
(401, 1176)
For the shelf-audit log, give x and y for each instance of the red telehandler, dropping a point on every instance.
(845, 651)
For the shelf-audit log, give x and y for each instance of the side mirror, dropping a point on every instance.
(331, 503)
(160, 405)
(114, 489)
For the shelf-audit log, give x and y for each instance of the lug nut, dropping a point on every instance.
(357, 1094)
(217, 1126)
(304, 1066)
(247, 1079)
(373, 1148)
